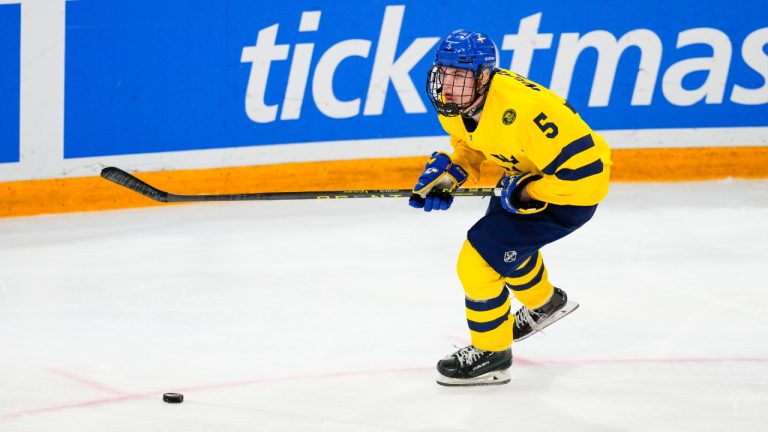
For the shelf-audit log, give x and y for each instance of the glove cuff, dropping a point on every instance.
(527, 206)
(458, 175)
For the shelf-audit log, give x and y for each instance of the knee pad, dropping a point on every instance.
(480, 281)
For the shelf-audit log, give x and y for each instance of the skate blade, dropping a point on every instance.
(490, 378)
(569, 307)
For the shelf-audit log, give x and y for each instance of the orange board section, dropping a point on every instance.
(36, 197)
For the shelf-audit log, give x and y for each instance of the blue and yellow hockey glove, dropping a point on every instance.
(439, 179)
(512, 187)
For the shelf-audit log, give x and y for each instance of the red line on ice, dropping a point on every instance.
(87, 382)
(518, 362)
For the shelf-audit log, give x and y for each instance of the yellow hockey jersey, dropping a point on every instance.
(525, 127)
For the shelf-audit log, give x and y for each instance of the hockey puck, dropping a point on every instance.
(173, 397)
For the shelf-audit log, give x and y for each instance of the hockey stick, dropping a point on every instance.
(122, 178)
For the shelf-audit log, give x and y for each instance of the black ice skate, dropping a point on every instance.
(470, 366)
(530, 321)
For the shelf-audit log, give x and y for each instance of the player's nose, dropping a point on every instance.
(448, 89)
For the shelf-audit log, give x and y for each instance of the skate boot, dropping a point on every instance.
(530, 321)
(470, 366)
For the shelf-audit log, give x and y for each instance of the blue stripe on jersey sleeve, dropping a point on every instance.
(569, 151)
(591, 169)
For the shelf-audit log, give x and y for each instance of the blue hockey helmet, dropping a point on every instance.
(462, 50)
(466, 50)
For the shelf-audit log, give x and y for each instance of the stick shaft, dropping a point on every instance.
(122, 178)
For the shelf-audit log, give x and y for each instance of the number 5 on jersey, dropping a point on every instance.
(549, 128)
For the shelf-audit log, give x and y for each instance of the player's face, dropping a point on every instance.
(458, 85)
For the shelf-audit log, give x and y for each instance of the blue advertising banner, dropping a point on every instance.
(10, 34)
(146, 76)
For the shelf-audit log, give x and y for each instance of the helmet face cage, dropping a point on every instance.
(465, 88)
(454, 82)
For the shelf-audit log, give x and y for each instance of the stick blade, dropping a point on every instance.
(124, 179)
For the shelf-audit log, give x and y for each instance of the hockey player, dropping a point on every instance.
(557, 171)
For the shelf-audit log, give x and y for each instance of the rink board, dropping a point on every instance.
(194, 89)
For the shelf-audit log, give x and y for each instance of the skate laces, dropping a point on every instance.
(468, 355)
(526, 316)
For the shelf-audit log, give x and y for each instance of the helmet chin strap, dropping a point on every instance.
(475, 110)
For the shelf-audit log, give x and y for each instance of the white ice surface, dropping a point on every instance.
(330, 316)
